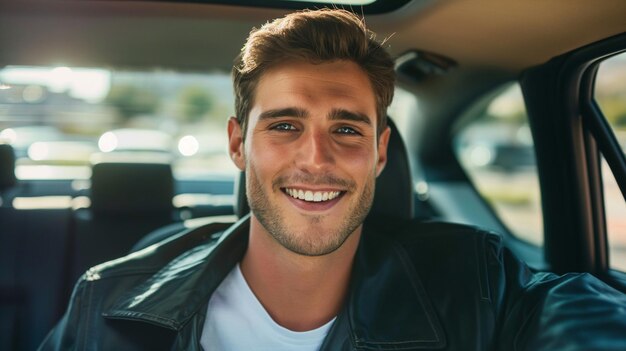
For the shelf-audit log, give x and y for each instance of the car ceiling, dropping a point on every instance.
(505, 35)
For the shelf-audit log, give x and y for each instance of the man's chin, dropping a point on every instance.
(316, 237)
(316, 248)
(313, 224)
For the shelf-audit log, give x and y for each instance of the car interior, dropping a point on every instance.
(509, 116)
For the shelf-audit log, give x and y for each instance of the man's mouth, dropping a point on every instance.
(312, 196)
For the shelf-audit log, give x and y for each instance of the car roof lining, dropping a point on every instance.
(368, 6)
(152, 34)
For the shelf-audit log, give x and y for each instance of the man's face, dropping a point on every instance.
(311, 154)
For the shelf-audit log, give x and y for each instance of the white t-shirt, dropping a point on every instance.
(236, 320)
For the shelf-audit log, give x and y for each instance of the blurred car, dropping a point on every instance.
(66, 152)
(506, 148)
(207, 144)
(133, 139)
(21, 138)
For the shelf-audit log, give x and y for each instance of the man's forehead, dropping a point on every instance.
(335, 72)
(334, 79)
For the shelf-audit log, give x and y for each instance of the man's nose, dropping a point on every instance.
(315, 152)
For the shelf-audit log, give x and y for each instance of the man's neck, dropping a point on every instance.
(299, 292)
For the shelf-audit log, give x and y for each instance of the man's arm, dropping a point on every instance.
(544, 311)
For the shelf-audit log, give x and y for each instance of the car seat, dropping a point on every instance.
(127, 201)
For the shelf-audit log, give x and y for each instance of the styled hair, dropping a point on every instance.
(316, 37)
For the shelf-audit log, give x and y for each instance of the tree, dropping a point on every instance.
(195, 102)
(131, 100)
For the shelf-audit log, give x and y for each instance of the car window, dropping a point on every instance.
(494, 146)
(59, 118)
(610, 94)
(402, 109)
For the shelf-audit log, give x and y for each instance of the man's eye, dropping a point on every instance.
(283, 127)
(346, 130)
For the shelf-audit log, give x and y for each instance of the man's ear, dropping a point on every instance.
(235, 143)
(383, 141)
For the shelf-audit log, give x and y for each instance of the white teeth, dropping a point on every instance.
(312, 196)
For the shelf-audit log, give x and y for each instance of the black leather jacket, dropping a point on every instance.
(416, 286)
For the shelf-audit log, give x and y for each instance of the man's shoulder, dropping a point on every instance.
(409, 233)
(153, 254)
(435, 249)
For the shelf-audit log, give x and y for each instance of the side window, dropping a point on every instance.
(610, 94)
(495, 147)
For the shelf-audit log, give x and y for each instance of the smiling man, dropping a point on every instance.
(305, 270)
(311, 135)
(312, 152)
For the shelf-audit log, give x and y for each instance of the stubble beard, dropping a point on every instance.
(311, 242)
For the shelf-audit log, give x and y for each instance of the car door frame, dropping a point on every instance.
(570, 133)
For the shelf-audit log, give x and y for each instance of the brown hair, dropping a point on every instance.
(315, 37)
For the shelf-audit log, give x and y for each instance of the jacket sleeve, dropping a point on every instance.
(544, 311)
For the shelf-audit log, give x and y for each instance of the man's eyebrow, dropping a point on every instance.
(341, 114)
(284, 112)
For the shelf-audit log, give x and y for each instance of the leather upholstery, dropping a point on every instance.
(394, 186)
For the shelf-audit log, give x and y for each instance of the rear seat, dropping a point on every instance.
(127, 201)
(34, 251)
(45, 246)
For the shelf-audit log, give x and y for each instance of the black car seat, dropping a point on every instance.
(127, 201)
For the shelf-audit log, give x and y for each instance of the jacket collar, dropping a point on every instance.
(183, 287)
(387, 309)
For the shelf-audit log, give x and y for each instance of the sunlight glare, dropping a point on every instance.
(188, 145)
(107, 142)
(38, 151)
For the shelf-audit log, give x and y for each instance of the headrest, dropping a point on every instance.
(7, 167)
(132, 188)
(394, 186)
(393, 196)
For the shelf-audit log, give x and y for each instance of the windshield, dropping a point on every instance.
(59, 119)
